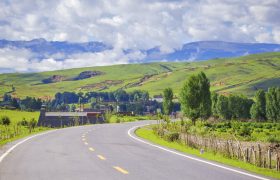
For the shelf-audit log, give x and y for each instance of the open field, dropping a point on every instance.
(18, 128)
(238, 75)
(148, 134)
(17, 116)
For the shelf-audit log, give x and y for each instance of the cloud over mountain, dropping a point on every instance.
(139, 24)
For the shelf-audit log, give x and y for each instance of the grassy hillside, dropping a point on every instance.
(238, 75)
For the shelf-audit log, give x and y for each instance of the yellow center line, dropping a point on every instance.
(101, 157)
(91, 149)
(86, 143)
(121, 170)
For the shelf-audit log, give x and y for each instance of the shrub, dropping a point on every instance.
(244, 131)
(267, 126)
(273, 139)
(5, 120)
(23, 122)
(32, 123)
(173, 136)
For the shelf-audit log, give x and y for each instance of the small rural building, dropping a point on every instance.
(62, 119)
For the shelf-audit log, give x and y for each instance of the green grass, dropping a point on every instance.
(237, 75)
(243, 131)
(120, 119)
(24, 133)
(147, 133)
(15, 117)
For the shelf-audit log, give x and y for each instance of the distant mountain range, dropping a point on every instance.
(195, 51)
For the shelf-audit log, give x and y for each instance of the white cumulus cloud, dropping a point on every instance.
(132, 24)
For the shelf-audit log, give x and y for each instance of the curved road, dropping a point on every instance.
(103, 151)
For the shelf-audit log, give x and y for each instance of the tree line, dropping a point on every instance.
(28, 103)
(197, 102)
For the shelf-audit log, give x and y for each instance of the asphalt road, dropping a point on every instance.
(103, 151)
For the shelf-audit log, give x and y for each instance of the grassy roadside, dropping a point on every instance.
(147, 133)
(121, 119)
(16, 130)
(36, 131)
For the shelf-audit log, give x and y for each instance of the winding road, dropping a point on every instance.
(105, 151)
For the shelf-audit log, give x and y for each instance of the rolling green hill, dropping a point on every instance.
(237, 75)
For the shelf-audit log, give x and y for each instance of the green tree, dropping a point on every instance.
(223, 107)
(206, 103)
(214, 98)
(195, 97)
(273, 104)
(258, 108)
(167, 101)
(239, 106)
(14, 103)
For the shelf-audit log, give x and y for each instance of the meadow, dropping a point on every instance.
(243, 75)
(21, 124)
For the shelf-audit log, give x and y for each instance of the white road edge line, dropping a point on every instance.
(24, 140)
(131, 130)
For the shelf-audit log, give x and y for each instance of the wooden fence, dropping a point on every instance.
(260, 154)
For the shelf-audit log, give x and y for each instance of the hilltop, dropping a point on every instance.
(234, 75)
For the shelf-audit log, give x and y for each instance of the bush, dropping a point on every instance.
(32, 123)
(5, 120)
(23, 122)
(267, 126)
(173, 136)
(273, 139)
(244, 131)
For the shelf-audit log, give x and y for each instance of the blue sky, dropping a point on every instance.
(135, 24)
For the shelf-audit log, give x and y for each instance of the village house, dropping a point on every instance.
(62, 119)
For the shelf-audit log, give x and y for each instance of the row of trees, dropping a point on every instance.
(231, 107)
(267, 105)
(198, 102)
(96, 97)
(28, 103)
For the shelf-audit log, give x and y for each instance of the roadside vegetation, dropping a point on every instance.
(235, 127)
(117, 118)
(149, 134)
(17, 124)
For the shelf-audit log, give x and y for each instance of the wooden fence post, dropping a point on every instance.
(269, 158)
(260, 155)
(277, 162)
(264, 162)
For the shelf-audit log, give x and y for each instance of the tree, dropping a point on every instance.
(7, 97)
(258, 108)
(239, 107)
(223, 107)
(195, 97)
(206, 103)
(121, 96)
(167, 101)
(273, 104)
(214, 98)
(14, 103)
